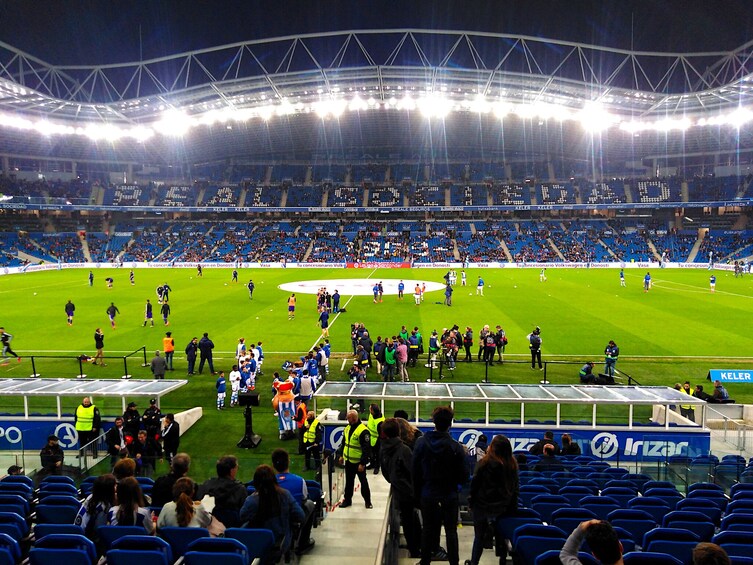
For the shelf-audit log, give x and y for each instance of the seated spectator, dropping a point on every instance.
(229, 494)
(720, 393)
(124, 468)
(538, 447)
(548, 461)
(162, 492)
(586, 374)
(705, 396)
(603, 541)
(94, 509)
(145, 451)
(296, 485)
(183, 511)
(15, 470)
(569, 447)
(710, 554)
(273, 508)
(130, 510)
(52, 456)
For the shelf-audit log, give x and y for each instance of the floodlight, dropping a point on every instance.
(173, 122)
(435, 106)
(357, 104)
(406, 103)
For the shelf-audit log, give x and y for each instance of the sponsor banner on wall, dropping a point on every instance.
(620, 445)
(32, 434)
(731, 375)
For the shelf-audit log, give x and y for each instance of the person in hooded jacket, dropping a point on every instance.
(494, 491)
(397, 468)
(439, 468)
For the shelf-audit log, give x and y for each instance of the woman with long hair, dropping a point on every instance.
(273, 508)
(130, 510)
(494, 491)
(183, 512)
(94, 509)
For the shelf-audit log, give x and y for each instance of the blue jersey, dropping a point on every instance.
(622, 274)
(401, 287)
(327, 349)
(324, 318)
(647, 279)
(336, 298)
(220, 385)
(375, 289)
(481, 282)
(313, 367)
(712, 280)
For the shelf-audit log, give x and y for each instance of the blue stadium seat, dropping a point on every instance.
(527, 548)
(637, 522)
(545, 504)
(57, 479)
(18, 479)
(21, 489)
(670, 496)
(56, 489)
(567, 519)
(110, 534)
(528, 492)
(16, 500)
(14, 525)
(744, 505)
(180, 538)
(654, 506)
(63, 548)
(552, 557)
(704, 487)
(42, 530)
(505, 526)
(740, 488)
(734, 543)
(649, 558)
(55, 514)
(258, 542)
(222, 551)
(602, 506)
(707, 507)
(736, 518)
(719, 498)
(144, 550)
(575, 494)
(622, 495)
(12, 547)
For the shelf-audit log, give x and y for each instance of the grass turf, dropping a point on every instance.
(675, 332)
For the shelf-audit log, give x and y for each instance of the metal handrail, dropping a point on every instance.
(93, 450)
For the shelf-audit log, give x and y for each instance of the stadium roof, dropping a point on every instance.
(385, 93)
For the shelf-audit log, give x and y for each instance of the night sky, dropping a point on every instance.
(109, 31)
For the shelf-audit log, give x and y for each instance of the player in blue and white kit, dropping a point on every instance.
(622, 277)
(462, 278)
(221, 387)
(542, 275)
(375, 290)
(259, 356)
(647, 282)
(252, 368)
(712, 283)
(480, 287)
(235, 385)
(400, 290)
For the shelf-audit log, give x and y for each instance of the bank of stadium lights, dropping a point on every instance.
(433, 105)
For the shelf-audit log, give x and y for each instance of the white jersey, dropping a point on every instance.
(235, 380)
(240, 350)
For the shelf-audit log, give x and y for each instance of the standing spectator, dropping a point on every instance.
(168, 346)
(490, 346)
(151, 419)
(99, 344)
(116, 442)
(686, 410)
(165, 311)
(131, 509)
(312, 441)
(182, 511)
(538, 447)
(148, 313)
(170, 437)
(397, 469)
(205, 349)
(191, 350)
(131, 421)
(5, 339)
(51, 456)
(534, 344)
(569, 447)
(70, 308)
(401, 357)
(501, 340)
(145, 451)
(112, 311)
(87, 423)
(355, 452)
(228, 492)
(611, 352)
(494, 491)
(439, 468)
(467, 344)
(96, 506)
(374, 424)
(273, 508)
(162, 493)
(158, 366)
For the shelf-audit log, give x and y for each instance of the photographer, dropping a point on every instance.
(534, 344)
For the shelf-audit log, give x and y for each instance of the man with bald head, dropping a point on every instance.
(355, 453)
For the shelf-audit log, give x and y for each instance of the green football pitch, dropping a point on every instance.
(675, 332)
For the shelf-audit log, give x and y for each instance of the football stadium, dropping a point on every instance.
(327, 291)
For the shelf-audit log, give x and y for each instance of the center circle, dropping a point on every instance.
(358, 287)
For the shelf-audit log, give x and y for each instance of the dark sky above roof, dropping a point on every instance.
(89, 32)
